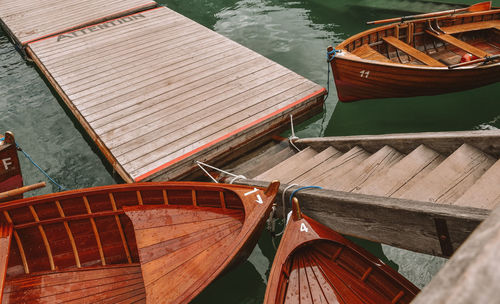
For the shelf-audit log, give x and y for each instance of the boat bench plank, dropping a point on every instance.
(5, 238)
(473, 26)
(111, 284)
(367, 52)
(413, 52)
(460, 44)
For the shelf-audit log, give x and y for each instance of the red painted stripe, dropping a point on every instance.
(79, 29)
(145, 175)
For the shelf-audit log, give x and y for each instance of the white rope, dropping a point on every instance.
(284, 207)
(293, 137)
(235, 177)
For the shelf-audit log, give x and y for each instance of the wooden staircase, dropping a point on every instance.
(460, 168)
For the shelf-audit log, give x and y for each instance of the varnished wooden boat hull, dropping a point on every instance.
(314, 264)
(419, 58)
(389, 81)
(179, 236)
(10, 169)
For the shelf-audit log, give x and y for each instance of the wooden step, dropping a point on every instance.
(412, 167)
(451, 179)
(339, 167)
(260, 159)
(329, 154)
(307, 177)
(485, 193)
(378, 162)
(281, 169)
(413, 52)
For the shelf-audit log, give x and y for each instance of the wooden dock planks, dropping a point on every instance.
(156, 90)
(27, 20)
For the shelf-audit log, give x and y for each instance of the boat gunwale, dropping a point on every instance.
(37, 200)
(354, 58)
(388, 26)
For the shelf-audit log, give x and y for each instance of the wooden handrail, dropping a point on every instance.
(18, 191)
(478, 7)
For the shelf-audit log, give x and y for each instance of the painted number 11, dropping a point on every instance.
(364, 74)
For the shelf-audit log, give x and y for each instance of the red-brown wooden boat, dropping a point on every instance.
(420, 57)
(149, 242)
(10, 169)
(315, 264)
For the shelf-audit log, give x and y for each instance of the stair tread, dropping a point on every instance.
(408, 169)
(245, 165)
(279, 170)
(376, 163)
(329, 154)
(450, 179)
(268, 160)
(339, 167)
(485, 193)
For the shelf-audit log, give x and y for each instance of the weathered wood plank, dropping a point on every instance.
(180, 117)
(184, 97)
(369, 168)
(448, 181)
(471, 275)
(218, 126)
(485, 193)
(340, 166)
(289, 164)
(327, 155)
(138, 87)
(249, 135)
(400, 223)
(28, 21)
(415, 165)
(442, 142)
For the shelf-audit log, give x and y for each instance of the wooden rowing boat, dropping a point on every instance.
(149, 242)
(420, 56)
(315, 264)
(10, 169)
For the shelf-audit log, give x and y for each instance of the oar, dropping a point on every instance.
(484, 59)
(21, 190)
(478, 7)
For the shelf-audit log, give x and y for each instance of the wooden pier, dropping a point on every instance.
(27, 21)
(156, 91)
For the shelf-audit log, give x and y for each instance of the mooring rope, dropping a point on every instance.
(235, 177)
(38, 167)
(293, 137)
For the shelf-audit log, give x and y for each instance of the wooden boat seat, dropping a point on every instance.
(366, 52)
(5, 238)
(108, 284)
(460, 44)
(413, 52)
(473, 26)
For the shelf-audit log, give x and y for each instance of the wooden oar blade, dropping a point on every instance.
(479, 7)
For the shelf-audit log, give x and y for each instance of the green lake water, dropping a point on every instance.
(292, 33)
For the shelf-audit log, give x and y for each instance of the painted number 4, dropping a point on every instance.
(364, 74)
(303, 228)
